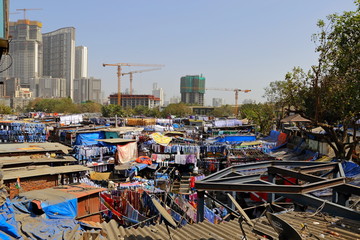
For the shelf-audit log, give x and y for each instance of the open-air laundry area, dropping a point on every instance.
(70, 177)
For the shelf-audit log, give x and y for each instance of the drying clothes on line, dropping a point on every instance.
(191, 158)
(159, 157)
(89, 152)
(127, 152)
(180, 159)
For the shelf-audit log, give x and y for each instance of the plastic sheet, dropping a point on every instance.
(86, 139)
(8, 225)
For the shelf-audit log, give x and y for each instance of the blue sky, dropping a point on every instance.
(233, 43)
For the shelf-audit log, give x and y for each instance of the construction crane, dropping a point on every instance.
(119, 65)
(27, 9)
(236, 90)
(138, 71)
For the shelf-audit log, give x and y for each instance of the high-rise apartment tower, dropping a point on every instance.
(59, 56)
(192, 89)
(26, 51)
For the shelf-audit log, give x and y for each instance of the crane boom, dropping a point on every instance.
(27, 9)
(236, 90)
(119, 74)
(138, 71)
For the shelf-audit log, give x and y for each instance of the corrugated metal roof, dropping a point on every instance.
(317, 227)
(80, 190)
(116, 140)
(32, 147)
(33, 159)
(34, 171)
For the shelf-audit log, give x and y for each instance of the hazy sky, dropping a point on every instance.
(233, 43)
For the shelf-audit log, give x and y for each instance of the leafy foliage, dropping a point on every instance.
(329, 94)
(111, 110)
(5, 109)
(223, 111)
(178, 109)
(262, 114)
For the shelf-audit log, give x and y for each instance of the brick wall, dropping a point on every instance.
(30, 184)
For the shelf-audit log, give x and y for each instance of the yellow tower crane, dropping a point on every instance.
(236, 90)
(138, 71)
(27, 9)
(119, 74)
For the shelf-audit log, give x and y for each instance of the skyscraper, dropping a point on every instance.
(26, 50)
(59, 56)
(81, 62)
(159, 93)
(192, 89)
(87, 89)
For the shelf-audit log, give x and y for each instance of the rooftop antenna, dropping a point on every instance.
(243, 217)
(166, 216)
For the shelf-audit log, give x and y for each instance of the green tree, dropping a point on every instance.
(177, 109)
(89, 107)
(223, 111)
(5, 109)
(154, 112)
(329, 94)
(111, 110)
(262, 114)
(141, 110)
(60, 105)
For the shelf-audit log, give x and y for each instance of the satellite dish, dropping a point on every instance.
(285, 230)
(163, 212)
(241, 211)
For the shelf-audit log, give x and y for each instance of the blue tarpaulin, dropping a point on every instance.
(351, 169)
(86, 139)
(236, 139)
(8, 225)
(55, 204)
(273, 136)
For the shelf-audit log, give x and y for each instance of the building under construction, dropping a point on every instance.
(132, 101)
(192, 89)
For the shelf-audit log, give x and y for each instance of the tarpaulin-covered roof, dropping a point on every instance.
(294, 118)
(240, 138)
(161, 139)
(89, 138)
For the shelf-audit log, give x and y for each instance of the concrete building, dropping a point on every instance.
(21, 99)
(132, 101)
(8, 86)
(26, 50)
(174, 99)
(48, 87)
(59, 56)
(192, 89)
(87, 89)
(217, 102)
(81, 62)
(159, 93)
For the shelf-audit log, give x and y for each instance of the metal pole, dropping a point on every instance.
(200, 206)
(119, 85)
(131, 79)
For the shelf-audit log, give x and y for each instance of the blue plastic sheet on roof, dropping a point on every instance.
(86, 139)
(273, 136)
(351, 169)
(8, 225)
(55, 203)
(236, 139)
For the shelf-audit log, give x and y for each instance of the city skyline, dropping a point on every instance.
(235, 44)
